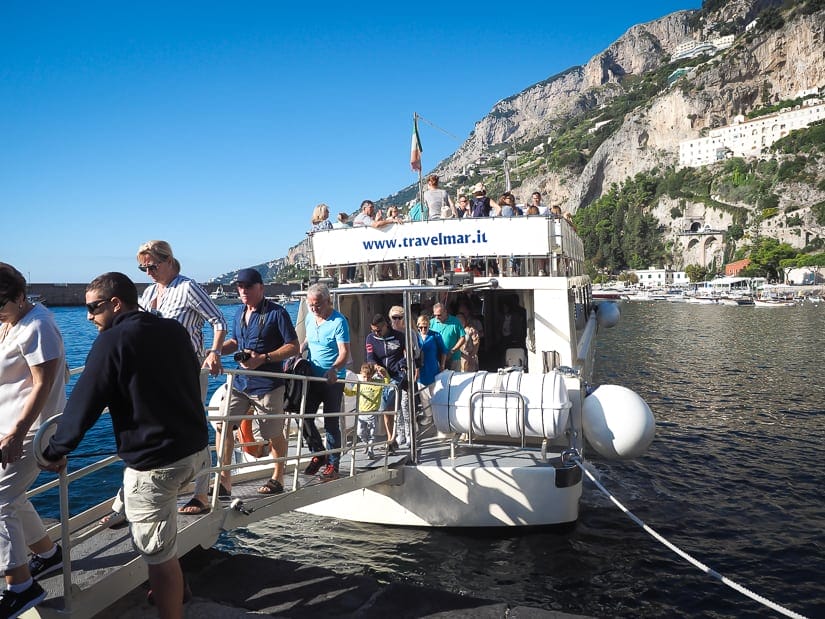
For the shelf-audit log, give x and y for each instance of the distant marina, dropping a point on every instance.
(721, 293)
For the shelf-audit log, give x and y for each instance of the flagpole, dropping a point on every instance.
(420, 169)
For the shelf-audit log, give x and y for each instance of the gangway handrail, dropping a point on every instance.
(65, 478)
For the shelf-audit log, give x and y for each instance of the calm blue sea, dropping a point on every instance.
(734, 477)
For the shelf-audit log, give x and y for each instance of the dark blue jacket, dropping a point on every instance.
(145, 370)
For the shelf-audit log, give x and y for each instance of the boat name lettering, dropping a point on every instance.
(424, 241)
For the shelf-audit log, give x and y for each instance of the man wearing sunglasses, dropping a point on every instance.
(143, 368)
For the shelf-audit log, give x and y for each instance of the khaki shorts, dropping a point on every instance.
(151, 499)
(270, 403)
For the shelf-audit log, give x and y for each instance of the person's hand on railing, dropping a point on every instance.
(55, 466)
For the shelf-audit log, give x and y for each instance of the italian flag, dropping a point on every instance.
(415, 148)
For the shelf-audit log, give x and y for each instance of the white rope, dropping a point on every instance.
(711, 572)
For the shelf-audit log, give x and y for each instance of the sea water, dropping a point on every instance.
(734, 477)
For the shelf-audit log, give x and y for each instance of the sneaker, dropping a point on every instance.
(370, 453)
(314, 465)
(40, 566)
(329, 473)
(14, 604)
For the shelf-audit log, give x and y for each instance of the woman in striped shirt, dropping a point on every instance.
(176, 296)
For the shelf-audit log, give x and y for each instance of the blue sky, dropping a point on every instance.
(219, 126)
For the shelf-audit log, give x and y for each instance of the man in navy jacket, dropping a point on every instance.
(143, 368)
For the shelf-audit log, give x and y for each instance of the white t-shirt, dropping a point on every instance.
(34, 340)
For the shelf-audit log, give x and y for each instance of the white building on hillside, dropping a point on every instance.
(748, 138)
(691, 48)
(661, 278)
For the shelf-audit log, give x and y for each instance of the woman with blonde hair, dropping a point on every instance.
(320, 218)
(176, 296)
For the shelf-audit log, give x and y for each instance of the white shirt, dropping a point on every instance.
(34, 340)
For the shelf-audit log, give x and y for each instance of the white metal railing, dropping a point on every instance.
(73, 530)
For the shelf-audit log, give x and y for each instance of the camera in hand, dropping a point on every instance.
(242, 355)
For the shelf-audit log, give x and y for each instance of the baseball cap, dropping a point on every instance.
(248, 276)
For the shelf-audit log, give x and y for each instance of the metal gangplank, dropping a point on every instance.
(101, 565)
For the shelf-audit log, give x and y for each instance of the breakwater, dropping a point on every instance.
(75, 294)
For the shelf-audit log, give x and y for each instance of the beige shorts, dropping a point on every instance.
(270, 403)
(151, 505)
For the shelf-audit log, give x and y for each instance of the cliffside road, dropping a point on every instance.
(228, 586)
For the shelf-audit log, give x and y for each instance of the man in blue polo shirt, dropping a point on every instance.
(451, 331)
(263, 337)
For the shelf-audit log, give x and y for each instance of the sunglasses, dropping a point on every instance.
(96, 305)
(423, 326)
(397, 317)
(148, 267)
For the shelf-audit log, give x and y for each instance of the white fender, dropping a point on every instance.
(617, 422)
(608, 314)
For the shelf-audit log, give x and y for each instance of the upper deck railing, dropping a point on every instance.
(546, 244)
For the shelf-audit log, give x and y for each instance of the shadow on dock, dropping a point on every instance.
(227, 586)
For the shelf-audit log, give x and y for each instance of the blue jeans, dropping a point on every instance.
(330, 396)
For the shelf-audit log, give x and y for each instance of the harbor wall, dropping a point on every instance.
(75, 294)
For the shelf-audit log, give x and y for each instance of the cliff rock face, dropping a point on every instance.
(538, 109)
(779, 63)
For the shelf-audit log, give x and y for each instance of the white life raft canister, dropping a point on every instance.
(499, 404)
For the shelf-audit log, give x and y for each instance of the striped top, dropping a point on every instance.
(185, 301)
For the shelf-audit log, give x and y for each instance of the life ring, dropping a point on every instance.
(251, 444)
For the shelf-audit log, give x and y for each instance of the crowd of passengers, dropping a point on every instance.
(438, 204)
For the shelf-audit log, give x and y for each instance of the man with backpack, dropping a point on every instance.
(481, 205)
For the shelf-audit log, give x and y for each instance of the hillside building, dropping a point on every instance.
(661, 278)
(691, 48)
(748, 138)
(732, 269)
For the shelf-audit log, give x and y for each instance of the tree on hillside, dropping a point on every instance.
(766, 257)
(618, 231)
(696, 273)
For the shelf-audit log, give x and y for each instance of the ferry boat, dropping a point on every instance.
(501, 449)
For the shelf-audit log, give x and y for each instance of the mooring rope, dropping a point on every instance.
(710, 572)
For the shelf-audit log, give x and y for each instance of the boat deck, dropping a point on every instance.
(105, 566)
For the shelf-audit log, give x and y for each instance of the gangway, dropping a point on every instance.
(100, 563)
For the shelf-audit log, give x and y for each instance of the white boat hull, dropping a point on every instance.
(520, 490)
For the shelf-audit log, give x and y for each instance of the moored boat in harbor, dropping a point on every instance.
(220, 297)
(502, 446)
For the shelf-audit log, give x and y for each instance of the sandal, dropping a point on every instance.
(114, 520)
(223, 493)
(272, 486)
(195, 507)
